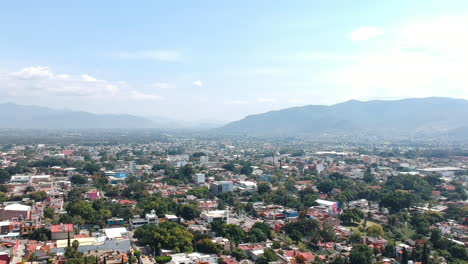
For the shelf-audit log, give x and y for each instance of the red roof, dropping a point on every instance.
(62, 228)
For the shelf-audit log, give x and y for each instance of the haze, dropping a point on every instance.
(218, 60)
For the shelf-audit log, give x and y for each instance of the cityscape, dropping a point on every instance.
(243, 132)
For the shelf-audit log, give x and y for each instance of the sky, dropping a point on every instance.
(223, 60)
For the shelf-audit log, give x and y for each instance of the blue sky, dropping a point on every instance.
(222, 60)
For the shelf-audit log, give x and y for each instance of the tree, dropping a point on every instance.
(38, 196)
(246, 169)
(375, 231)
(404, 256)
(361, 254)
(49, 212)
(239, 254)
(91, 168)
(425, 254)
(229, 167)
(167, 235)
(350, 216)
(33, 257)
(268, 256)
(199, 192)
(163, 259)
(189, 212)
(368, 177)
(4, 176)
(325, 186)
(207, 246)
(327, 233)
(78, 179)
(40, 234)
(84, 209)
(75, 244)
(265, 228)
(263, 187)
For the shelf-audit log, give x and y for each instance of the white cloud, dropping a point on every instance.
(322, 56)
(160, 55)
(39, 80)
(162, 85)
(198, 83)
(145, 96)
(88, 78)
(30, 73)
(296, 101)
(365, 33)
(425, 58)
(239, 102)
(266, 100)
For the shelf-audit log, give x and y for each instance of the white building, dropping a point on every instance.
(199, 178)
(215, 215)
(247, 186)
(191, 258)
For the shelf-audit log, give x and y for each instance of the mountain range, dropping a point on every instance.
(417, 116)
(433, 116)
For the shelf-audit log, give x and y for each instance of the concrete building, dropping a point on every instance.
(149, 219)
(62, 231)
(216, 215)
(219, 187)
(15, 210)
(191, 258)
(199, 178)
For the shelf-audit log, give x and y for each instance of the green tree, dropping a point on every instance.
(163, 259)
(425, 254)
(207, 246)
(361, 254)
(78, 179)
(4, 176)
(350, 216)
(239, 254)
(375, 230)
(189, 212)
(49, 212)
(404, 256)
(38, 196)
(40, 234)
(166, 235)
(263, 187)
(246, 169)
(199, 192)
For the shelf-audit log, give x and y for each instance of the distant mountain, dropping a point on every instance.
(190, 125)
(422, 116)
(26, 116)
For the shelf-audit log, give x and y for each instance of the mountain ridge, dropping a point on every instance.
(376, 117)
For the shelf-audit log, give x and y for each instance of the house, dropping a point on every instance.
(15, 210)
(291, 256)
(62, 231)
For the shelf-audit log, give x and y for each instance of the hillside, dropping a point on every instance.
(381, 118)
(25, 116)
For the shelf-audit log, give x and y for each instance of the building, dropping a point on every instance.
(199, 178)
(62, 231)
(149, 219)
(192, 258)
(247, 186)
(15, 210)
(219, 187)
(216, 215)
(332, 207)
